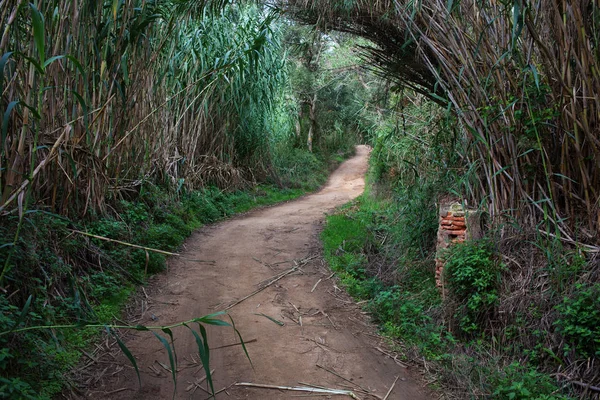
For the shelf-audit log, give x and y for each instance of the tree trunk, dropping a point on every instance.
(313, 122)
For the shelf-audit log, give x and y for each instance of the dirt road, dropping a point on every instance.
(321, 324)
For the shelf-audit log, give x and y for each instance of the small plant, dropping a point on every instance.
(473, 275)
(15, 388)
(517, 382)
(578, 318)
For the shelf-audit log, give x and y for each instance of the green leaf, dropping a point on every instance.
(210, 321)
(124, 68)
(241, 340)
(3, 62)
(77, 64)
(37, 20)
(171, 358)
(501, 170)
(127, 353)
(271, 319)
(115, 8)
(536, 76)
(204, 355)
(23, 313)
(170, 333)
(36, 64)
(517, 22)
(5, 120)
(51, 60)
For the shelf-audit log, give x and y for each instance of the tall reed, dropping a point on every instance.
(98, 96)
(521, 75)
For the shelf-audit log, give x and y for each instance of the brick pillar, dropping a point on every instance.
(457, 224)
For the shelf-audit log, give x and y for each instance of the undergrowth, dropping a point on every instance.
(496, 334)
(73, 278)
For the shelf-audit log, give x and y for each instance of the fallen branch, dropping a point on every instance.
(234, 344)
(316, 284)
(348, 380)
(391, 388)
(395, 358)
(279, 276)
(301, 389)
(168, 253)
(586, 386)
(197, 383)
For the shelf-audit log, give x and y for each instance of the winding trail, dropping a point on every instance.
(248, 250)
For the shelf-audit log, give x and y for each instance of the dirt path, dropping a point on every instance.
(248, 250)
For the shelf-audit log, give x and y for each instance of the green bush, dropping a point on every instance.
(473, 275)
(517, 382)
(579, 320)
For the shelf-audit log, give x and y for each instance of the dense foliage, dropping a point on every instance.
(517, 317)
(520, 77)
(136, 122)
(140, 120)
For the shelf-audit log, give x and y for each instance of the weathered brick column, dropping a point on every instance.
(457, 224)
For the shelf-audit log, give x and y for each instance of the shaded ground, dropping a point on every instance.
(322, 326)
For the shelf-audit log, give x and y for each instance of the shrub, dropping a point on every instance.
(517, 382)
(578, 319)
(472, 275)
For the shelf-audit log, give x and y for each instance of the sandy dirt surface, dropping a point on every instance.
(322, 325)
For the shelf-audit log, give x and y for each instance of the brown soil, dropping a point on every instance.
(248, 250)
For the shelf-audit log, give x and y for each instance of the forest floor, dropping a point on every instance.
(324, 332)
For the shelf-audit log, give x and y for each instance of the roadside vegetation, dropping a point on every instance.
(492, 111)
(128, 124)
(517, 318)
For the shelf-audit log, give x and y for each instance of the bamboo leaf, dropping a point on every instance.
(536, 75)
(501, 170)
(36, 64)
(271, 319)
(517, 21)
(3, 61)
(140, 328)
(37, 20)
(166, 345)
(124, 68)
(23, 313)
(77, 64)
(5, 120)
(241, 340)
(204, 357)
(127, 353)
(51, 60)
(211, 321)
(170, 333)
(115, 9)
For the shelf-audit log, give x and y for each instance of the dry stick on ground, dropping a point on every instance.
(263, 263)
(391, 388)
(262, 288)
(234, 344)
(316, 284)
(301, 389)
(168, 253)
(395, 358)
(198, 382)
(348, 380)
